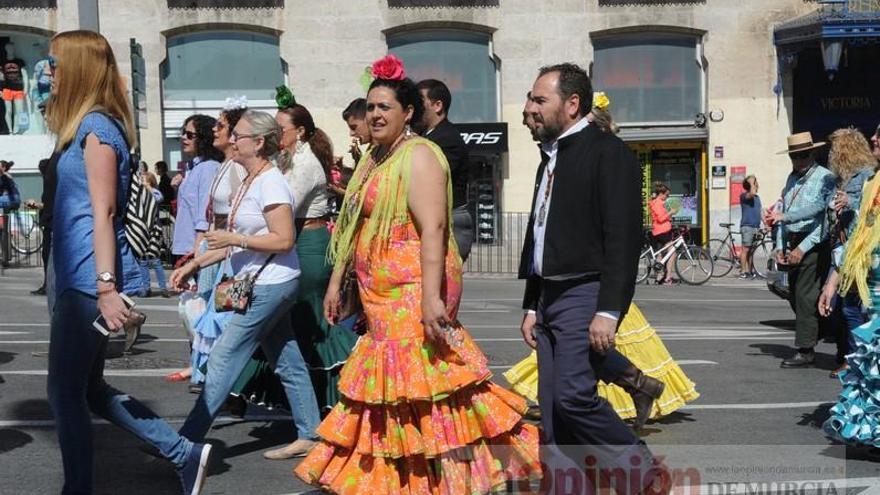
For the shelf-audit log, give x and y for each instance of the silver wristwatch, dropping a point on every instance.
(106, 277)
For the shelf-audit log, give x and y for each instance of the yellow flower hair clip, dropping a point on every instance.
(600, 100)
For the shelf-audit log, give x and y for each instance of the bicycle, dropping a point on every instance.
(25, 233)
(725, 253)
(693, 264)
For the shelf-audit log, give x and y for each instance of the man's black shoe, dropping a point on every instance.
(39, 292)
(800, 360)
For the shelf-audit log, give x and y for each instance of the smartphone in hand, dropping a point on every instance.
(101, 325)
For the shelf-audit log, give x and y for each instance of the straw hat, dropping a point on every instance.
(802, 141)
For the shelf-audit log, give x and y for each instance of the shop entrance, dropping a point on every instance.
(682, 167)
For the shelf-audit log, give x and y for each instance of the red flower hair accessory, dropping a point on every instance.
(390, 68)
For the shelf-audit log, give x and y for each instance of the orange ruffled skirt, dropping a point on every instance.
(639, 342)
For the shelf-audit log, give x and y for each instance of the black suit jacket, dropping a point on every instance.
(594, 223)
(447, 137)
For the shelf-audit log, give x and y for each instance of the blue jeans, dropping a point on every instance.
(76, 385)
(854, 314)
(155, 265)
(267, 324)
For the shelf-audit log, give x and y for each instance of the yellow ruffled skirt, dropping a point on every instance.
(639, 342)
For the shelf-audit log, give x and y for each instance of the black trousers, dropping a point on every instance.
(44, 250)
(568, 369)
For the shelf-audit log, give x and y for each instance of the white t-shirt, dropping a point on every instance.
(269, 188)
(228, 178)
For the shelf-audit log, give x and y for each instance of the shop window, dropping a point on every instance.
(650, 78)
(197, 77)
(198, 66)
(25, 83)
(463, 60)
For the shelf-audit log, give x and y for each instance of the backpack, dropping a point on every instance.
(10, 198)
(142, 230)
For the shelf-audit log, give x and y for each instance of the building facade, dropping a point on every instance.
(699, 87)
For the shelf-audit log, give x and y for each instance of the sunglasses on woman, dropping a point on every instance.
(188, 135)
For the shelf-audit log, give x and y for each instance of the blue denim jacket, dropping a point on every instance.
(73, 222)
(805, 198)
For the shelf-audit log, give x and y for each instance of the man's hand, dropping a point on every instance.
(796, 256)
(602, 332)
(528, 329)
(776, 216)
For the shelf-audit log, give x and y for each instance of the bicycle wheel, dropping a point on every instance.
(694, 265)
(25, 234)
(645, 263)
(761, 257)
(722, 257)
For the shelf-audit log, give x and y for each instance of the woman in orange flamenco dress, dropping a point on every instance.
(418, 413)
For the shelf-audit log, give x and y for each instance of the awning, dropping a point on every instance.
(649, 134)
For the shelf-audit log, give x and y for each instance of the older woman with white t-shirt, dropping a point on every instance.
(259, 240)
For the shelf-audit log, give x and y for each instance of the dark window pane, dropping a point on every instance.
(462, 61)
(649, 78)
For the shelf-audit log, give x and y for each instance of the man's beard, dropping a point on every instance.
(551, 129)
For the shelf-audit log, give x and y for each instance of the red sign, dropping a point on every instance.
(737, 176)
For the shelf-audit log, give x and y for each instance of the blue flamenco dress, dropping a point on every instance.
(855, 418)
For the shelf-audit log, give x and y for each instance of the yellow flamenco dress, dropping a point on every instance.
(415, 416)
(639, 342)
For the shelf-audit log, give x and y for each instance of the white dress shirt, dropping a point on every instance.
(539, 228)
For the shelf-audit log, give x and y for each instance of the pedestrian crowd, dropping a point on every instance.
(334, 292)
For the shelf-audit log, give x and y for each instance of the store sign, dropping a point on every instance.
(489, 137)
(737, 176)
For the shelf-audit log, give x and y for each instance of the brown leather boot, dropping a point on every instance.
(644, 390)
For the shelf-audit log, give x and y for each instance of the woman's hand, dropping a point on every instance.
(176, 180)
(219, 239)
(113, 310)
(181, 275)
(434, 318)
(826, 299)
(331, 303)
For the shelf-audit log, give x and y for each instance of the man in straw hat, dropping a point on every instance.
(804, 198)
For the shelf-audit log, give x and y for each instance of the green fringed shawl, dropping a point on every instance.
(391, 202)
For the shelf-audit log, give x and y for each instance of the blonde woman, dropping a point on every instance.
(89, 114)
(853, 164)
(854, 418)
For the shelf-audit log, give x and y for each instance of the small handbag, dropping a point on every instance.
(349, 297)
(233, 294)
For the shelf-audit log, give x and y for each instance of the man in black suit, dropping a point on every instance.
(579, 259)
(437, 128)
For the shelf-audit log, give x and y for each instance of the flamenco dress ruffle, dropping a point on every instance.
(417, 417)
(639, 342)
(855, 418)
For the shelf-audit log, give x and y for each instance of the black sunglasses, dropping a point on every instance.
(189, 135)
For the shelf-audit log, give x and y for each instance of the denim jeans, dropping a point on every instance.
(76, 385)
(155, 265)
(267, 324)
(854, 314)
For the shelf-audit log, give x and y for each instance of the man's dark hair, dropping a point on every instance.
(357, 109)
(572, 80)
(161, 167)
(437, 91)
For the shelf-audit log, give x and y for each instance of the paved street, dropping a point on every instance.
(729, 337)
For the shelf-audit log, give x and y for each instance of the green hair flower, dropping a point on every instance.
(284, 97)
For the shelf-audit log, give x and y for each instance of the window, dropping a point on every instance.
(198, 66)
(650, 78)
(25, 68)
(203, 69)
(461, 59)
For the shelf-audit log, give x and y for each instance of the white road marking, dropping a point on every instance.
(768, 405)
(140, 342)
(12, 333)
(24, 423)
(680, 362)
